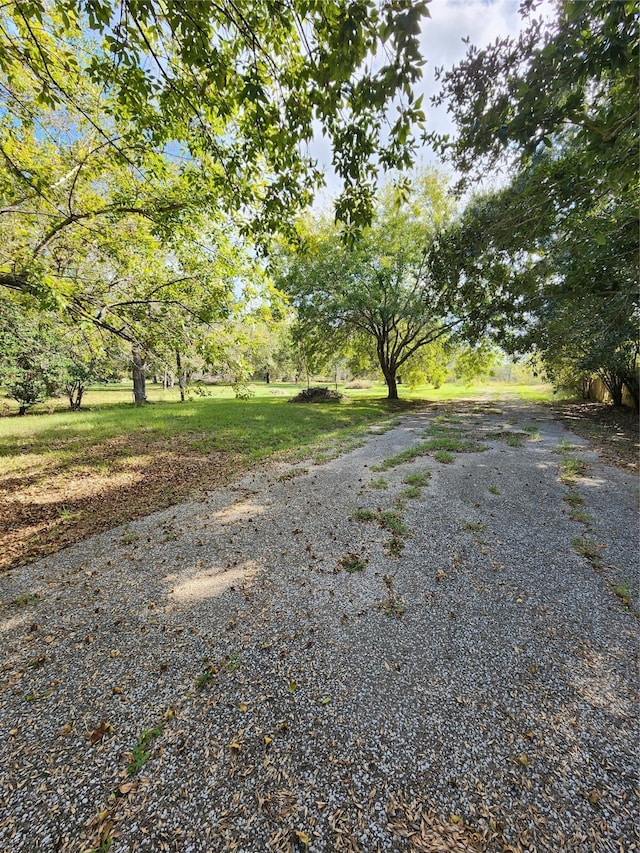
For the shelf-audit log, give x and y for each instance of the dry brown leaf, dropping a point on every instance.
(98, 733)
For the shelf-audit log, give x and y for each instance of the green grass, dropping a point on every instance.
(443, 456)
(407, 455)
(515, 440)
(494, 490)
(581, 516)
(26, 600)
(362, 514)
(380, 483)
(412, 493)
(418, 478)
(587, 549)
(624, 592)
(254, 428)
(352, 563)
(571, 468)
(140, 754)
(573, 499)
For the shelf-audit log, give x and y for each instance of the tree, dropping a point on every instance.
(31, 364)
(232, 88)
(142, 144)
(559, 107)
(381, 287)
(576, 75)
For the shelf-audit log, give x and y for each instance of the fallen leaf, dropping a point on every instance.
(302, 837)
(325, 700)
(98, 733)
(243, 706)
(523, 760)
(292, 687)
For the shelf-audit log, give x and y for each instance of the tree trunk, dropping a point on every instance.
(139, 383)
(182, 377)
(388, 368)
(392, 385)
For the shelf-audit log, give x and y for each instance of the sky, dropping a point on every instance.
(451, 20)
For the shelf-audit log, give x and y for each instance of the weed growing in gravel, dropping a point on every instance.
(453, 445)
(587, 549)
(418, 478)
(413, 493)
(392, 604)
(390, 520)
(292, 474)
(439, 441)
(573, 498)
(380, 483)
(494, 490)
(205, 677)
(623, 591)
(443, 456)
(232, 663)
(565, 447)
(353, 563)
(380, 429)
(362, 514)
(129, 538)
(105, 843)
(474, 526)
(407, 455)
(515, 440)
(140, 754)
(448, 419)
(581, 516)
(25, 600)
(571, 468)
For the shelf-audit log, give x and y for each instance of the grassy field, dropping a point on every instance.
(65, 475)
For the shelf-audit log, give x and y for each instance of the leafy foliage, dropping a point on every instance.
(380, 289)
(559, 244)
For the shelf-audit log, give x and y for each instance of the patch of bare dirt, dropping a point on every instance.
(614, 432)
(44, 509)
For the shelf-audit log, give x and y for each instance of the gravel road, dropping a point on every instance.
(427, 643)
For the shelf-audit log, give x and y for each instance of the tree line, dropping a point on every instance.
(155, 182)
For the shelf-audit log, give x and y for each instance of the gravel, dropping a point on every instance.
(213, 677)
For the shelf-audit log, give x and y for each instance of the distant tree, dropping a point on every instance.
(380, 287)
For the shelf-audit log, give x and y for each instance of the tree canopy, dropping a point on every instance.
(235, 91)
(379, 289)
(558, 107)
